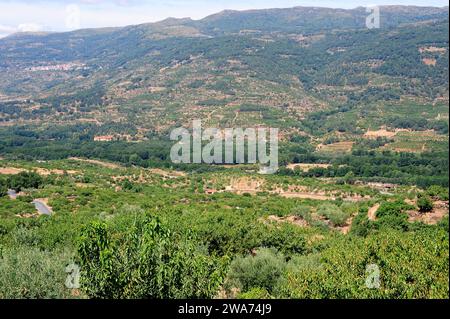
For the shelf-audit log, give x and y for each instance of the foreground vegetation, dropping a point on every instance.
(136, 233)
(358, 209)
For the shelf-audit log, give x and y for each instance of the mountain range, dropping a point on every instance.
(258, 67)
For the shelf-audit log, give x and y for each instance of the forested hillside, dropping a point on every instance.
(85, 118)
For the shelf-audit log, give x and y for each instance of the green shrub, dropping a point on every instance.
(261, 271)
(3, 187)
(411, 265)
(15, 207)
(287, 239)
(444, 223)
(361, 225)
(437, 192)
(255, 293)
(336, 216)
(28, 272)
(144, 260)
(425, 204)
(303, 212)
(25, 180)
(392, 215)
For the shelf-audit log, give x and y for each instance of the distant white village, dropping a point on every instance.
(59, 67)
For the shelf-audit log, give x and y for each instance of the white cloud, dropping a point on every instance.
(29, 27)
(6, 30)
(53, 15)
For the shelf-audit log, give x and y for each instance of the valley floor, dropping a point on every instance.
(249, 235)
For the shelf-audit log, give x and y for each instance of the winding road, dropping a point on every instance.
(42, 208)
(12, 194)
(40, 205)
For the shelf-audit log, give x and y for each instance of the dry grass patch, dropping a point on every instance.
(306, 196)
(294, 220)
(10, 170)
(440, 210)
(96, 162)
(168, 174)
(432, 49)
(372, 213)
(245, 185)
(379, 133)
(341, 147)
(39, 170)
(306, 167)
(46, 172)
(429, 61)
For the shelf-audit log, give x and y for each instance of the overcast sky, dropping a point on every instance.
(66, 15)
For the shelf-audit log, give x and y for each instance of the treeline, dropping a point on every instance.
(18, 135)
(276, 268)
(21, 181)
(418, 124)
(423, 169)
(83, 99)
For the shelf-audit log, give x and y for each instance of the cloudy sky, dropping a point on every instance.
(65, 15)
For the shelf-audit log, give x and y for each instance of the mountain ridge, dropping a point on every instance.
(226, 71)
(232, 13)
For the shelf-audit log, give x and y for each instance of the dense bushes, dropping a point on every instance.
(261, 271)
(124, 253)
(411, 265)
(386, 264)
(3, 187)
(145, 260)
(390, 215)
(418, 124)
(24, 180)
(425, 204)
(332, 212)
(423, 170)
(287, 239)
(28, 272)
(437, 192)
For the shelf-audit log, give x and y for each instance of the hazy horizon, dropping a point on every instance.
(62, 16)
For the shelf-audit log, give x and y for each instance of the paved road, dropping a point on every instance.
(12, 193)
(42, 208)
